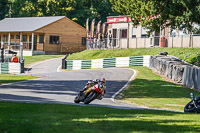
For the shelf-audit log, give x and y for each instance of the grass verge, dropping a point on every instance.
(51, 118)
(32, 59)
(6, 78)
(153, 91)
(191, 55)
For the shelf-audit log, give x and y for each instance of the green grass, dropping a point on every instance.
(6, 78)
(32, 59)
(188, 54)
(151, 90)
(51, 118)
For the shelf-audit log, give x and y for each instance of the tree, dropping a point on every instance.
(4, 6)
(77, 10)
(180, 14)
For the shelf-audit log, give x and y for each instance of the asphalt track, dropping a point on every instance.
(62, 87)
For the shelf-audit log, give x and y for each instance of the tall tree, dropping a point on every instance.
(174, 13)
(77, 10)
(4, 6)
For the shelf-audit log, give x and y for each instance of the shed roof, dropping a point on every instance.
(26, 24)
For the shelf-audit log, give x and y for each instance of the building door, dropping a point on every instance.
(30, 41)
(157, 39)
(35, 42)
(114, 37)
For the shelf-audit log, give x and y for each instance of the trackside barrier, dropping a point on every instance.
(108, 62)
(177, 70)
(10, 68)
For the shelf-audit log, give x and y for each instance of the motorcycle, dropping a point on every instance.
(194, 105)
(93, 92)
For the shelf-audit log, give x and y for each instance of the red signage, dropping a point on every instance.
(118, 20)
(126, 19)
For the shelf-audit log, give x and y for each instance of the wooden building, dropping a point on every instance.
(55, 34)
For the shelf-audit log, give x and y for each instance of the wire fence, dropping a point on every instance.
(181, 41)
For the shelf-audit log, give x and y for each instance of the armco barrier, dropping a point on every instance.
(108, 62)
(10, 68)
(177, 70)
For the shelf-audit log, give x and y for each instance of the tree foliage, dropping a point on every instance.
(175, 13)
(77, 10)
(4, 6)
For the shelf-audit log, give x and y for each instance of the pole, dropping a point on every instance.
(128, 34)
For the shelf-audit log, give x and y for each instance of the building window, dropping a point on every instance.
(144, 32)
(17, 36)
(173, 33)
(41, 39)
(134, 29)
(5, 38)
(123, 33)
(54, 40)
(11, 36)
(24, 38)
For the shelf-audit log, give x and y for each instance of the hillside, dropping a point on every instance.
(191, 55)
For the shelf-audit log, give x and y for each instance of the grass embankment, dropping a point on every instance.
(6, 78)
(188, 54)
(50, 118)
(32, 59)
(151, 90)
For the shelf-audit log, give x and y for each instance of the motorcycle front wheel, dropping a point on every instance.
(190, 107)
(90, 97)
(77, 99)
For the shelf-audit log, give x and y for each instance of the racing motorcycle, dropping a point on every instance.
(193, 105)
(94, 90)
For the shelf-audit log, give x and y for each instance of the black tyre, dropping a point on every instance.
(90, 97)
(190, 107)
(77, 99)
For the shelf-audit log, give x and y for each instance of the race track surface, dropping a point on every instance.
(62, 87)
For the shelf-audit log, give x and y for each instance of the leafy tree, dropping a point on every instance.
(174, 13)
(77, 10)
(4, 6)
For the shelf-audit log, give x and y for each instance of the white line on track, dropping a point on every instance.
(113, 96)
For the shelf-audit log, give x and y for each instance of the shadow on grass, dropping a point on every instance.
(19, 117)
(155, 89)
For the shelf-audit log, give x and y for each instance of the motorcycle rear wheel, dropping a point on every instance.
(190, 107)
(90, 97)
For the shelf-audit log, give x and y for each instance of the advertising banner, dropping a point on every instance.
(87, 28)
(98, 31)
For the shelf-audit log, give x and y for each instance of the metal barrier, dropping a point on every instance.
(176, 70)
(180, 41)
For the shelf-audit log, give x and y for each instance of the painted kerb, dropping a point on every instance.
(10, 68)
(108, 62)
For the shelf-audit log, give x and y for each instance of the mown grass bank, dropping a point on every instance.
(32, 59)
(151, 90)
(51, 118)
(6, 78)
(188, 54)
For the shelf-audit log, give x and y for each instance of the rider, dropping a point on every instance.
(97, 83)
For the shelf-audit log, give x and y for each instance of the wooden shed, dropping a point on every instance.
(55, 34)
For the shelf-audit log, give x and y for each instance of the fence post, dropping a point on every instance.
(182, 41)
(136, 42)
(2, 52)
(64, 62)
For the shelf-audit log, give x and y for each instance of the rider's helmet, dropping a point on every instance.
(102, 80)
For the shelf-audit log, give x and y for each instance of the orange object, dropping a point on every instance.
(14, 59)
(162, 42)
